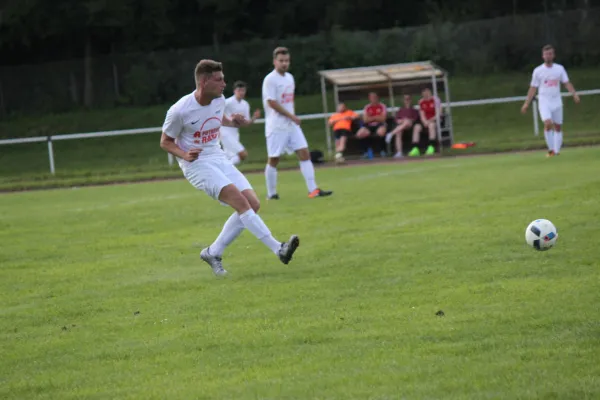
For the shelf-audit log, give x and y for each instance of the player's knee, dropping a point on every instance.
(557, 127)
(243, 155)
(252, 199)
(232, 196)
(273, 161)
(548, 125)
(254, 203)
(303, 154)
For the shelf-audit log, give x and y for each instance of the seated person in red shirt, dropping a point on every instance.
(374, 116)
(341, 122)
(428, 105)
(407, 118)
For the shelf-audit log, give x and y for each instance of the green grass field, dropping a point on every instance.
(494, 128)
(104, 297)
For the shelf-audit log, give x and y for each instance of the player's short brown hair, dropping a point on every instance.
(280, 50)
(547, 47)
(239, 84)
(206, 67)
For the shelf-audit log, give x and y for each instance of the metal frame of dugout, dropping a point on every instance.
(390, 78)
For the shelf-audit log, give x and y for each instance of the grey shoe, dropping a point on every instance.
(215, 262)
(288, 248)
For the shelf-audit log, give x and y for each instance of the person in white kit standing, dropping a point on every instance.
(546, 79)
(282, 126)
(230, 137)
(191, 133)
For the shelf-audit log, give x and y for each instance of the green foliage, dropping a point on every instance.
(147, 78)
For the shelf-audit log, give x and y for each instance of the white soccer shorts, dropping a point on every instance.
(279, 143)
(231, 142)
(212, 176)
(551, 111)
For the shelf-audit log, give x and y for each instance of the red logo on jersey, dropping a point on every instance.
(287, 96)
(209, 134)
(551, 82)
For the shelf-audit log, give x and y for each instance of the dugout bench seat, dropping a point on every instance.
(353, 147)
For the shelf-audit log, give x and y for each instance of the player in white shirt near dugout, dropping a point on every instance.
(230, 137)
(191, 133)
(546, 79)
(282, 126)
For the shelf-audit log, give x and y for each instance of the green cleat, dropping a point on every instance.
(414, 152)
(430, 151)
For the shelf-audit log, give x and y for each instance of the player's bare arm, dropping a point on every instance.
(569, 86)
(255, 116)
(279, 108)
(380, 118)
(530, 95)
(423, 117)
(236, 121)
(168, 144)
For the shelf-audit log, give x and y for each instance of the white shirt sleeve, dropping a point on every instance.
(228, 107)
(564, 78)
(269, 89)
(246, 110)
(535, 79)
(173, 124)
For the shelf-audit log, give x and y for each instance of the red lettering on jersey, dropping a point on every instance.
(287, 98)
(372, 110)
(208, 135)
(551, 82)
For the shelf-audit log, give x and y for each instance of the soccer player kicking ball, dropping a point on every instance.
(191, 133)
(282, 126)
(547, 79)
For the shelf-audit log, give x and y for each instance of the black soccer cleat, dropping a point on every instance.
(320, 193)
(274, 197)
(288, 248)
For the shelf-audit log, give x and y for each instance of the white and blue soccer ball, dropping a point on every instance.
(541, 234)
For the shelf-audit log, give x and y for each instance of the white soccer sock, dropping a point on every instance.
(549, 135)
(254, 223)
(309, 174)
(271, 176)
(235, 159)
(231, 230)
(558, 139)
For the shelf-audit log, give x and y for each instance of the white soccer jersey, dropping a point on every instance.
(233, 106)
(281, 89)
(548, 80)
(195, 126)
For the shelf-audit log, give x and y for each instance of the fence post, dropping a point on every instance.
(536, 127)
(51, 155)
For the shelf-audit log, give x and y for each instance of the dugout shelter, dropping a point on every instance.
(390, 82)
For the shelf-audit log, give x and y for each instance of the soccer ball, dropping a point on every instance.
(541, 234)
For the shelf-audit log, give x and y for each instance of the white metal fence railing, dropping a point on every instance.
(73, 136)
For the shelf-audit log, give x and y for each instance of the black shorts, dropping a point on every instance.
(373, 128)
(342, 132)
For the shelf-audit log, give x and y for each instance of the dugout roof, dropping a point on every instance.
(382, 73)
